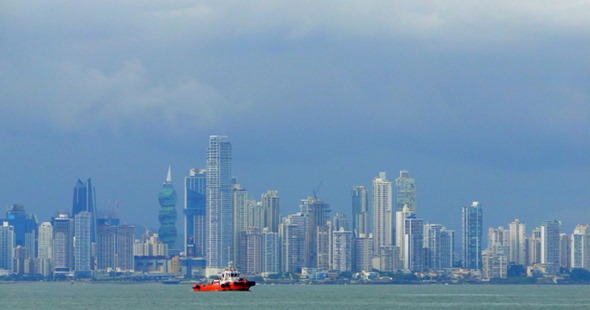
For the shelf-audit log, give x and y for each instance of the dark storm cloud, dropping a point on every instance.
(468, 96)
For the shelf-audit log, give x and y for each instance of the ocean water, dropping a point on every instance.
(180, 296)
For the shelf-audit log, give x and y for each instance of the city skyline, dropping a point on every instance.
(483, 101)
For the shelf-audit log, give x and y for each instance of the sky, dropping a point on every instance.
(483, 101)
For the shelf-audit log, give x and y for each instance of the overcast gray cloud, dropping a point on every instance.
(470, 96)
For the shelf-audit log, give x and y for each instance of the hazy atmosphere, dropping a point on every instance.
(485, 100)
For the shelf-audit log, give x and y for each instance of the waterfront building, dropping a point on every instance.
(405, 191)
(115, 244)
(167, 215)
(7, 238)
(550, 245)
(432, 246)
(565, 251)
(494, 265)
(400, 217)
(341, 250)
(447, 248)
(580, 247)
(517, 251)
(413, 255)
(63, 238)
(250, 245)
(45, 248)
(292, 233)
(388, 259)
(82, 243)
(25, 229)
(360, 211)
(219, 203)
(362, 253)
(472, 220)
(270, 251)
(534, 247)
(382, 212)
(324, 247)
(242, 219)
(85, 201)
(195, 210)
(318, 213)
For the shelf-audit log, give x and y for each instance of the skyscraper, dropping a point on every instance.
(382, 212)
(6, 246)
(405, 191)
(219, 203)
(318, 213)
(472, 221)
(270, 202)
(580, 247)
(550, 245)
(167, 215)
(360, 211)
(25, 229)
(85, 200)
(413, 255)
(195, 211)
(63, 249)
(82, 243)
(517, 252)
(342, 250)
(45, 249)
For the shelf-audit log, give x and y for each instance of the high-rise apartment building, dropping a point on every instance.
(45, 248)
(405, 193)
(85, 201)
(342, 250)
(219, 204)
(63, 247)
(293, 235)
(6, 246)
(382, 212)
(362, 253)
(270, 201)
(580, 247)
(318, 213)
(413, 255)
(195, 212)
(360, 211)
(82, 243)
(472, 224)
(550, 245)
(115, 245)
(517, 251)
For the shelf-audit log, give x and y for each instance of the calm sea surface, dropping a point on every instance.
(180, 296)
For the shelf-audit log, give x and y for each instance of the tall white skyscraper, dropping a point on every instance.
(6, 246)
(550, 245)
(580, 247)
(342, 250)
(382, 212)
(45, 241)
(405, 188)
(219, 204)
(517, 252)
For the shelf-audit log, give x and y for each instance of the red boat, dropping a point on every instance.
(229, 280)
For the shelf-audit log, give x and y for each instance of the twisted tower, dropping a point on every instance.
(167, 215)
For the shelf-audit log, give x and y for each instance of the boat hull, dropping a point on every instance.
(230, 286)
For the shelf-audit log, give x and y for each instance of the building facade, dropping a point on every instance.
(219, 203)
(472, 224)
